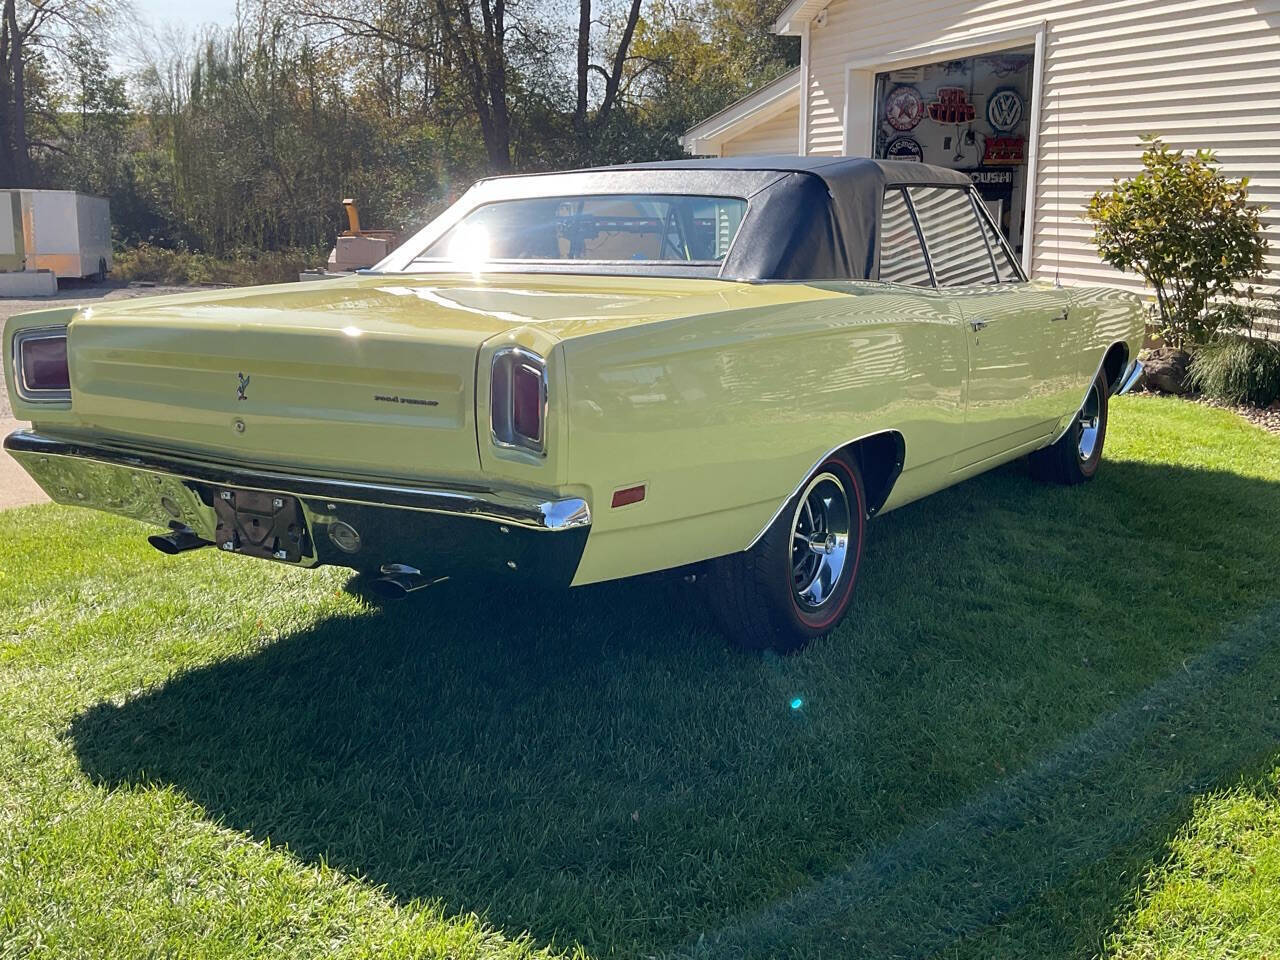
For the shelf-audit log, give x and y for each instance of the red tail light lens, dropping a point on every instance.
(42, 364)
(526, 414)
(518, 399)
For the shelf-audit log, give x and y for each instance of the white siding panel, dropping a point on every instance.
(1201, 73)
(778, 135)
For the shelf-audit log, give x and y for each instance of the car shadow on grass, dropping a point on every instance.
(1034, 685)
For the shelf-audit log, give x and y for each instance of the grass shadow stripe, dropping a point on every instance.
(1102, 788)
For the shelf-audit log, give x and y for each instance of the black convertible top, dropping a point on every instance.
(839, 172)
(843, 171)
(808, 218)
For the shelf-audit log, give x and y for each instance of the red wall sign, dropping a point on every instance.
(952, 106)
(904, 108)
(1005, 150)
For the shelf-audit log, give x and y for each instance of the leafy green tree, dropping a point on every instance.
(1187, 230)
(698, 56)
(32, 34)
(90, 140)
(247, 138)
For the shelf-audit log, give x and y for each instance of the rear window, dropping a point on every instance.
(601, 229)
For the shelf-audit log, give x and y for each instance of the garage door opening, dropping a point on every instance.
(971, 114)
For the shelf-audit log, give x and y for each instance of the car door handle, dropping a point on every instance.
(977, 323)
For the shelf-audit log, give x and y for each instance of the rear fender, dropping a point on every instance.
(52, 412)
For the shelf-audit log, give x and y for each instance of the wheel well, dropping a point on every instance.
(1114, 362)
(880, 458)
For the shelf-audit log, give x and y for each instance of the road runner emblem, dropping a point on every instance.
(242, 386)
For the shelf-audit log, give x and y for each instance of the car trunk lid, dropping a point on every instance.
(343, 377)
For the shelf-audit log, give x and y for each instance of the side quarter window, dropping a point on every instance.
(957, 247)
(1005, 268)
(901, 255)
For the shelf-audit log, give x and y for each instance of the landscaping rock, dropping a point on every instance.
(1165, 369)
(1268, 418)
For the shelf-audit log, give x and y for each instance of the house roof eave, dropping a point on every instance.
(755, 108)
(796, 14)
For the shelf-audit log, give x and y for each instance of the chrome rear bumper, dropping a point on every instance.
(451, 530)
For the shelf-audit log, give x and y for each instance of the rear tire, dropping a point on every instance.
(1077, 454)
(797, 582)
(100, 276)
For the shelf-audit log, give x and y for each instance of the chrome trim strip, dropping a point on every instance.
(20, 339)
(1129, 378)
(924, 246)
(526, 512)
(986, 239)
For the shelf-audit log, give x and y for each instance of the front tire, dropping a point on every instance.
(1077, 454)
(797, 582)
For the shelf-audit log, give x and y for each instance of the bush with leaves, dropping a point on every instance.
(153, 264)
(1189, 231)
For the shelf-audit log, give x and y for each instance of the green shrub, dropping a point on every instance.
(1238, 369)
(1190, 232)
(164, 265)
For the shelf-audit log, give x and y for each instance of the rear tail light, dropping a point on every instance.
(518, 400)
(40, 364)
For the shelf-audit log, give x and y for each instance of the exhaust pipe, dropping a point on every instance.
(178, 540)
(399, 580)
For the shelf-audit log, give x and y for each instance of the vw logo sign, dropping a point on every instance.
(1004, 110)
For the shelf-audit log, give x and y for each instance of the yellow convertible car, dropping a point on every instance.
(581, 376)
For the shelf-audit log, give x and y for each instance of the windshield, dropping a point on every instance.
(648, 228)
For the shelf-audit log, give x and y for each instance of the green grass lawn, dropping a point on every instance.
(1050, 728)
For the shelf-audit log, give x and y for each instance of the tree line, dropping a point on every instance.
(249, 136)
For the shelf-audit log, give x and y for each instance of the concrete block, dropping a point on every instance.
(28, 283)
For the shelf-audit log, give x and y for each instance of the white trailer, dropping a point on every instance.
(65, 232)
(12, 254)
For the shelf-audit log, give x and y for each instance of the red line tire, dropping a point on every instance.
(797, 582)
(1077, 454)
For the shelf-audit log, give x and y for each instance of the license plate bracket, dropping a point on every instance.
(258, 524)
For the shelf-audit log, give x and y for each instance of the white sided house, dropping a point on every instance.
(1041, 103)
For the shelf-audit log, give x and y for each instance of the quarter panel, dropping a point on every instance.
(722, 415)
(1106, 315)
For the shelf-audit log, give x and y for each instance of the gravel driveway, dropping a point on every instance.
(16, 488)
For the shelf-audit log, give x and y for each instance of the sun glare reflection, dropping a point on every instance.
(469, 248)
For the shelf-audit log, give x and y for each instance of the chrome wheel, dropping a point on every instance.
(819, 540)
(1090, 417)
